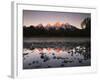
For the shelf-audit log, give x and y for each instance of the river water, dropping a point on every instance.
(56, 52)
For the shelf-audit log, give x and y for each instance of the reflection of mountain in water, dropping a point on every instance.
(58, 30)
(52, 53)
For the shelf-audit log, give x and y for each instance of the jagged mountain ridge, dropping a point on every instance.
(56, 26)
(58, 30)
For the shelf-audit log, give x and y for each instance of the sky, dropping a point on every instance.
(31, 17)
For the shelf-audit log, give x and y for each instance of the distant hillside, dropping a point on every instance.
(58, 30)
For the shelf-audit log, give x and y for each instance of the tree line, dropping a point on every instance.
(53, 31)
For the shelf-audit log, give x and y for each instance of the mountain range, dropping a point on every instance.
(58, 30)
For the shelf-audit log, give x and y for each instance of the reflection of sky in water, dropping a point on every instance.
(55, 57)
(56, 52)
